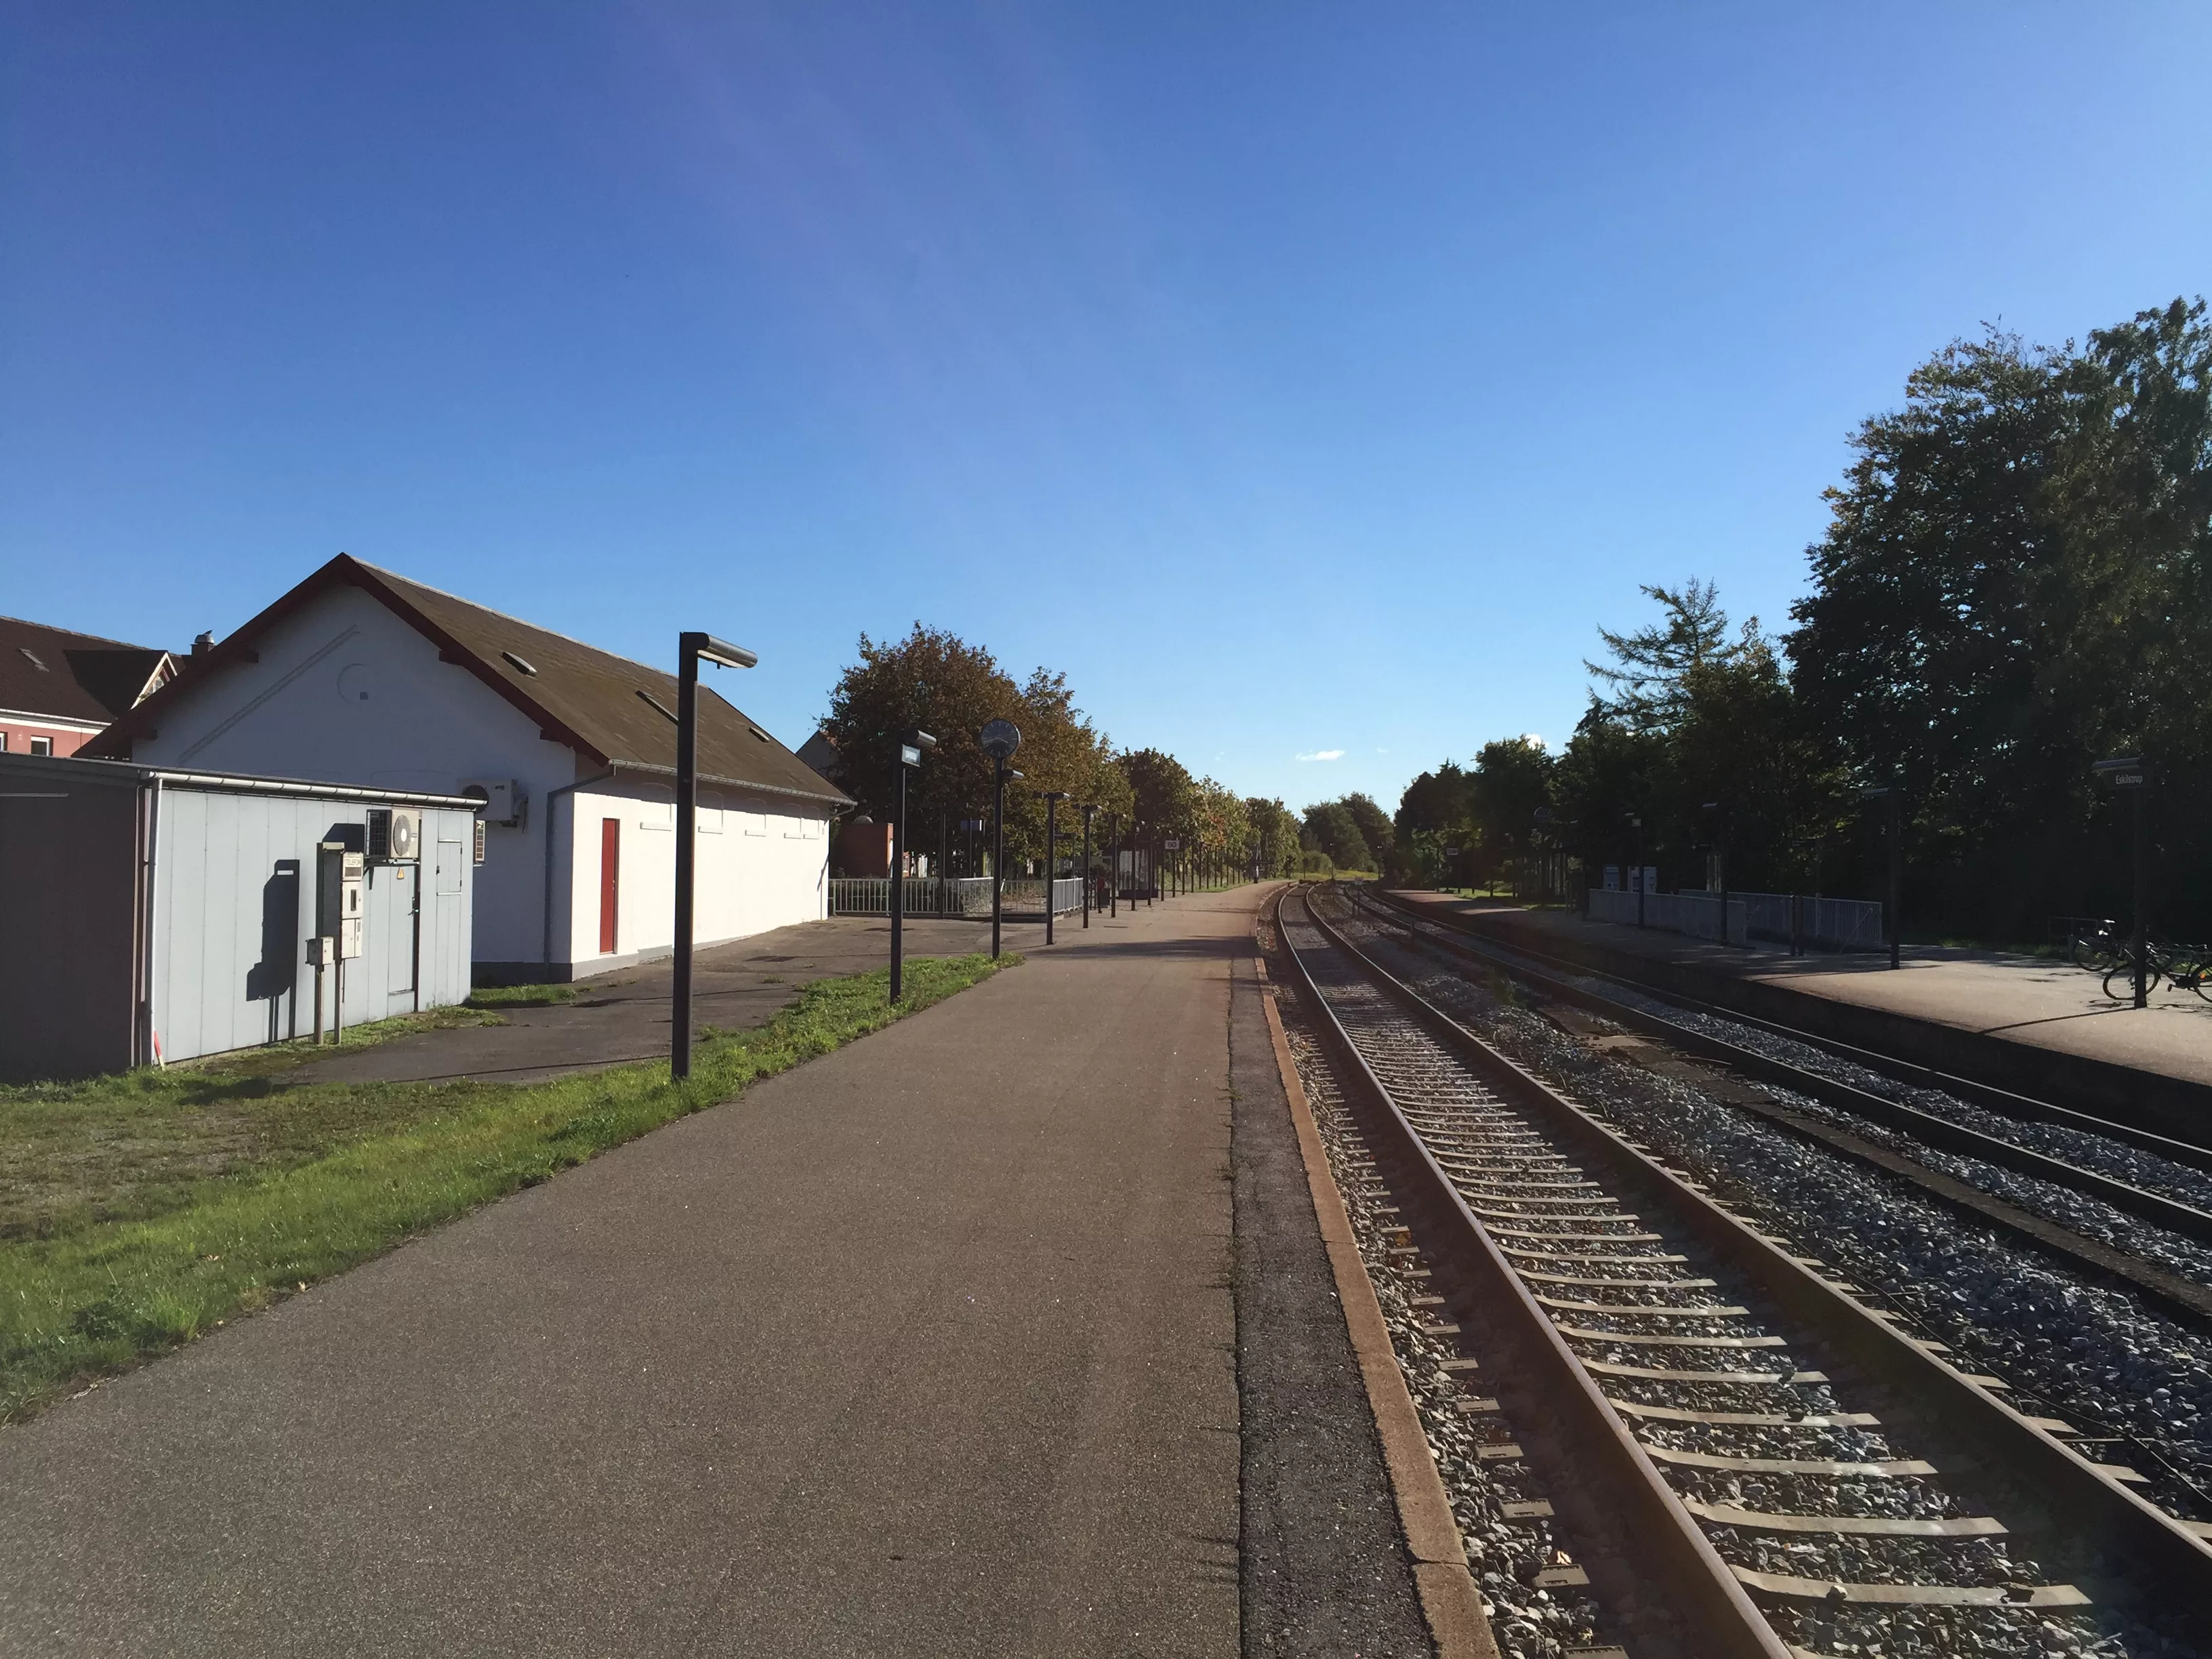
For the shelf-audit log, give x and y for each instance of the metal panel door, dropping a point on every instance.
(449, 894)
(610, 883)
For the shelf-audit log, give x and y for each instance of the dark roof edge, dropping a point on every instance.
(243, 783)
(835, 799)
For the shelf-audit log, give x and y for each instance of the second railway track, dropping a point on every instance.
(1751, 1459)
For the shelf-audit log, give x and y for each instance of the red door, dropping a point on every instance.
(610, 882)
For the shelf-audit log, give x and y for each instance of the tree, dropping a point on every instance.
(1330, 828)
(1375, 828)
(938, 682)
(1652, 663)
(1512, 778)
(1273, 832)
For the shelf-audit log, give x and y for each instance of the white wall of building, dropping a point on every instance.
(347, 692)
(763, 862)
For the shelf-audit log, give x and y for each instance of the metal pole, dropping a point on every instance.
(1114, 879)
(1896, 872)
(998, 848)
(2142, 905)
(1087, 812)
(687, 817)
(1640, 870)
(898, 878)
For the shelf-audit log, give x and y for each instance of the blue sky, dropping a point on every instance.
(1302, 381)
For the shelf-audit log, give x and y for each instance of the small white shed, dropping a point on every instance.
(153, 914)
(365, 678)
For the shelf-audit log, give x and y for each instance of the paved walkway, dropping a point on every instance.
(925, 1347)
(624, 1016)
(2029, 999)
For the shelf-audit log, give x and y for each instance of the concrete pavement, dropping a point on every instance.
(927, 1347)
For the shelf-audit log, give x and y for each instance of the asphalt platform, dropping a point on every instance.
(2036, 1001)
(983, 1335)
(624, 1016)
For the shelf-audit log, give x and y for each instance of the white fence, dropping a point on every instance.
(969, 895)
(1786, 918)
(1697, 915)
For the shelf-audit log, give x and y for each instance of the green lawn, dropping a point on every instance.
(138, 1211)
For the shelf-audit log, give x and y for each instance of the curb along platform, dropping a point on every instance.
(933, 1346)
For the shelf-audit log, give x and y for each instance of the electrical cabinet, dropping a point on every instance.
(340, 876)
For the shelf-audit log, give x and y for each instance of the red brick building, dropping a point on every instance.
(58, 690)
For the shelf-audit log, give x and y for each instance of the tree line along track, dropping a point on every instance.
(1629, 1324)
(2170, 1291)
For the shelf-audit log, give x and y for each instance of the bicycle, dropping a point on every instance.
(2183, 967)
(2095, 948)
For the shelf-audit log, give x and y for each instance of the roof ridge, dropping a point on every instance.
(519, 622)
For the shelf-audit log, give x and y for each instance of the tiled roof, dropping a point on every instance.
(71, 676)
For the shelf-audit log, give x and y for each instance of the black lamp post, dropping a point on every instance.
(1000, 738)
(2130, 775)
(1052, 798)
(691, 649)
(1895, 796)
(912, 747)
(1089, 810)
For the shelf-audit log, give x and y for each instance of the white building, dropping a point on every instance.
(361, 676)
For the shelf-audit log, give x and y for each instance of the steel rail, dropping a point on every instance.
(2083, 1520)
(1936, 1131)
(2005, 1102)
(2170, 1291)
(1676, 1593)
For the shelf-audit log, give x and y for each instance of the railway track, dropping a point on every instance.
(1749, 1458)
(1574, 987)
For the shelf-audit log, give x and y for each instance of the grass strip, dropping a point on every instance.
(93, 1299)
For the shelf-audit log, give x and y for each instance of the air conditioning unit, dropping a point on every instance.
(395, 835)
(504, 802)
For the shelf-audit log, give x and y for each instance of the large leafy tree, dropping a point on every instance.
(1330, 828)
(933, 680)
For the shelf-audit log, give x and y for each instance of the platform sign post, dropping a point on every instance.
(912, 748)
(1636, 881)
(2129, 775)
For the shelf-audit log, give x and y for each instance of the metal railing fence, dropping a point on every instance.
(1834, 923)
(966, 897)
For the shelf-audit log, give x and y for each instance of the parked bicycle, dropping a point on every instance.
(2094, 946)
(2185, 967)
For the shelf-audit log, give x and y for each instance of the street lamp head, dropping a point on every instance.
(1013, 776)
(1052, 794)
(920, 739)
(721, 652)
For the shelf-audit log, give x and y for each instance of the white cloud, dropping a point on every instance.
(1324, 754)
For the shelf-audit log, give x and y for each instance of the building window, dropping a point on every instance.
(42, 746)
(3, 743)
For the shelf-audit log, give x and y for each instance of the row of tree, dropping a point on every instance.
(935, 681)
(2014, 583)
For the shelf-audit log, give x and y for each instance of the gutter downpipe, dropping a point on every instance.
(147, 1039)
(551, 818)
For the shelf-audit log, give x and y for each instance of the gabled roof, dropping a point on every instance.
(608, 708)
(73, 676)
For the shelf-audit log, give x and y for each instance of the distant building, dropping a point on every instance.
(360, 676)
(58, 690)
